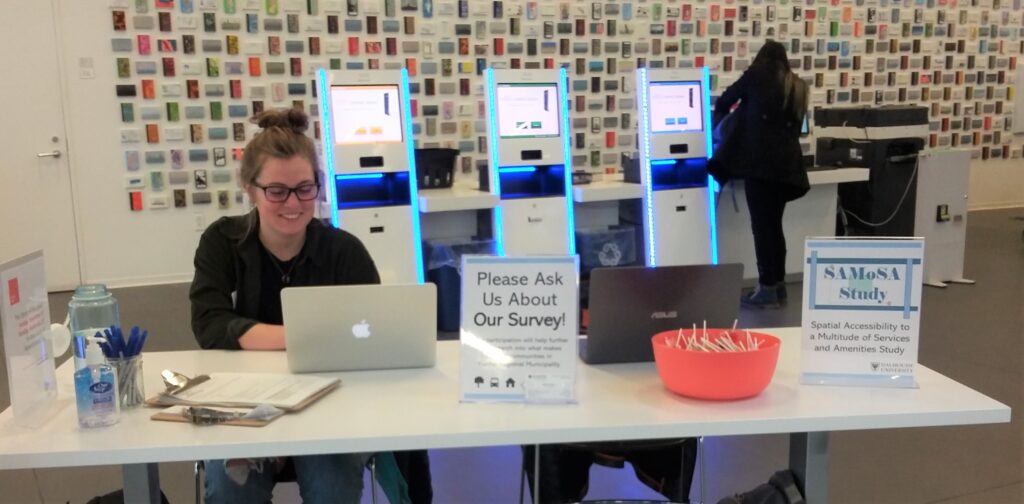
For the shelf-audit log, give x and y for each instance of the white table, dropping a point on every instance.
(419, 409)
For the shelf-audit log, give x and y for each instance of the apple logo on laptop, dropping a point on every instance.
(361, 330)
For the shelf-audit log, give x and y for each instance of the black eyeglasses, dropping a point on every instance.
(280, 193)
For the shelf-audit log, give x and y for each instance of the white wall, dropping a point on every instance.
(118, 247)
(121, 248)
(996, 183)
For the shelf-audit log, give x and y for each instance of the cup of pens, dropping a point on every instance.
(715, 364)
(125, 356)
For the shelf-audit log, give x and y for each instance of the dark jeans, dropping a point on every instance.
(415, 468)
(565, 469)
(766, 201)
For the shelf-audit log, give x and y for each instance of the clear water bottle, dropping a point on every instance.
(92, 309)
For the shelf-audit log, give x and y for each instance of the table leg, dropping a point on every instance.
(141, 483)
(536, 474)
(808, 459)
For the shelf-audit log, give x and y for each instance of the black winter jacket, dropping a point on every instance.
(228, 263)
(765, 143)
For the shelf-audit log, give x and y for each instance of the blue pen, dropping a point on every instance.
(133, 341)
(107, 350)
(111, 341)
(122, 346)
(142, 341)
(137, 336)
(116, 340)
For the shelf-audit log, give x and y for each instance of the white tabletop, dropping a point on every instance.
(456, 198)
(415, 409)
(609, 189)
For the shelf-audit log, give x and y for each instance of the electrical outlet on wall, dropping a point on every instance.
(200, 221)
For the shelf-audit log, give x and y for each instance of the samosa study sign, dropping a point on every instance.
(865, 283)
(861, 311)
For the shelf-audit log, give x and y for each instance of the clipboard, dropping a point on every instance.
(248, 390)
(176, 414)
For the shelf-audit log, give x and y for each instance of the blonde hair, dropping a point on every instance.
(283, 137)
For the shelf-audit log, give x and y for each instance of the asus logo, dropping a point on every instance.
(664, 314)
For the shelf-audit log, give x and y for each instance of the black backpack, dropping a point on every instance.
(780, 489)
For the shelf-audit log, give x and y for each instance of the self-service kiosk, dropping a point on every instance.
(530, 164)
(368, 158)
(676, 209)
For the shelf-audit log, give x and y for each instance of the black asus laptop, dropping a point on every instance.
(630, 305)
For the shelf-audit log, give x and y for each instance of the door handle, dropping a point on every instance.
(54, 154)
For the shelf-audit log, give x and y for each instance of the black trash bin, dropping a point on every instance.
(435, 167)
(444, 269)
(605, 247)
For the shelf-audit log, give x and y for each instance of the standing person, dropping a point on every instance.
(763, 149)
(241, 265)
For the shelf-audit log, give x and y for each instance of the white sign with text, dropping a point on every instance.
(519, 329)
(861, 311)
(25, 314)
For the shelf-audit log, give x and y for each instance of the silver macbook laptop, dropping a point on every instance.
(630, 305)
(360, 327)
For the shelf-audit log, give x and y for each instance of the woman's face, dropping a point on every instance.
(289, 217)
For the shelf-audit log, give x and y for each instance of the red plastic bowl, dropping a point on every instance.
(716, 375)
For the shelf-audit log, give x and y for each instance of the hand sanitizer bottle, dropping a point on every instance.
(96, 389)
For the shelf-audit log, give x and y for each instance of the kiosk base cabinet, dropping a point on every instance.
(681, 217)
(387, 233)
(527, 225)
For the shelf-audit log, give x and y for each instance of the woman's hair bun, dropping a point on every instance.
(291, 119)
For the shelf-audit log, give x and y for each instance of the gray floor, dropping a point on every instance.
(970, 333)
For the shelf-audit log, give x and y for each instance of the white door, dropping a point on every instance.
(36, 210)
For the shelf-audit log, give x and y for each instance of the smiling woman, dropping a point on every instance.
(242, 264)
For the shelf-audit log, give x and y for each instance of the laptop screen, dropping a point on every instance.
(630, 305)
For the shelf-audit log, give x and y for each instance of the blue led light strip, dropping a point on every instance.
(328, 142)
(645, 166)
(356, 176)
(518, 169)
(492, 134)
(570, 215)
(712, 185)
(414, 198)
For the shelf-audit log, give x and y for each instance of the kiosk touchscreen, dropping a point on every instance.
(530, 166)
(368, 158)
(677, 207)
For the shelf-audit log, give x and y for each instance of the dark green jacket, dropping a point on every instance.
(225, 291)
